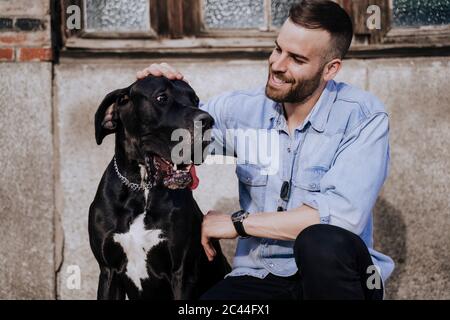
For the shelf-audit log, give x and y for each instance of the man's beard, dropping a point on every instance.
(297, 93)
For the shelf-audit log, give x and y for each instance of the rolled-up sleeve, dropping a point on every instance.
(349, 189)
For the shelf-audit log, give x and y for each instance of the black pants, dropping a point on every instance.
(333, 264)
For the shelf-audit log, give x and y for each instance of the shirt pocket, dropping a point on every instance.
(252, 186)
(308, 179)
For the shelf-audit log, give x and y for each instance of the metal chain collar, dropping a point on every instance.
(131, 185)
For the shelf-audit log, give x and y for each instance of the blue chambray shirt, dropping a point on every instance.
(336, 162)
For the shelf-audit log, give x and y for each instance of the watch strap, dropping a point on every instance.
(239, 226)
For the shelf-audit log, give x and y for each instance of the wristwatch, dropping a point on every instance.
(237, 218)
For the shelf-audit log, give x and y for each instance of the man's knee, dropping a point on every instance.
(323, 244)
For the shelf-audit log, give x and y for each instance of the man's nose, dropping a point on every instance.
(279, 63)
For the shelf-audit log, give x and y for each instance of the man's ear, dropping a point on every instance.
(106, 117)
(332, 68)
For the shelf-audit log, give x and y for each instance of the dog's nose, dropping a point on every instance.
(204, 121)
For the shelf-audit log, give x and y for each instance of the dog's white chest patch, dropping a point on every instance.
(136, 243)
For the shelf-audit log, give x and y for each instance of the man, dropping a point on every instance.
(306, 231)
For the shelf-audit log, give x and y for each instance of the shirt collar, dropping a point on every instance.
(317, 117)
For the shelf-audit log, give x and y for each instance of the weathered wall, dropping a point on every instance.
(26, 182)
(411, 216)
(413, 219)
(26, 159)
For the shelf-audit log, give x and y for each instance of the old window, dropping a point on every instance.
(425, 23)
(263, 15)
(176, 18)
(224, 26)
(117, 16)
(417, 13)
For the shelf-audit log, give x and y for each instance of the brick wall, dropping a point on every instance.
(25, 30)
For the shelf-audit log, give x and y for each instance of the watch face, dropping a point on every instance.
(237, 215)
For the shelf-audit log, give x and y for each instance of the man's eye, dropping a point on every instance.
(162, 98)
(277, 49)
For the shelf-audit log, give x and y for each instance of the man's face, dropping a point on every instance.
(296, 63)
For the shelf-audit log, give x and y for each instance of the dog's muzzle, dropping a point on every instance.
(171, 175)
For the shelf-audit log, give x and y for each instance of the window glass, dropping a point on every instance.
(415, 13)
(280, 11)
(117, 15)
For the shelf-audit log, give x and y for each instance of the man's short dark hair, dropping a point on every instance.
(329, 16)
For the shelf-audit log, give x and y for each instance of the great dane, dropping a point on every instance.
(144, 224)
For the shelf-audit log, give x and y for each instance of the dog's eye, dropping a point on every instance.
(162, 98)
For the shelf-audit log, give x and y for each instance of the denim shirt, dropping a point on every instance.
(336, 161)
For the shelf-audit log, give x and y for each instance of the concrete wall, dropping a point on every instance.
(411, 215)
(27, 222)
(26, 182)
(414, 213)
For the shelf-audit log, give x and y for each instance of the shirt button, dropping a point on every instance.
(289, 150)
(271, 265)
(312, 185)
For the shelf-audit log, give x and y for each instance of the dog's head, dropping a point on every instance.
(158, 118)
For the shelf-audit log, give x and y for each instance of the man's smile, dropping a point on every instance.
(277, 82)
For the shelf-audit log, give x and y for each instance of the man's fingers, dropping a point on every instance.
(209, 249)
(154, 70)
(144, 73)
(210, 252)
(158, 70)
(168, 73)
(150, 70)
(171, 71)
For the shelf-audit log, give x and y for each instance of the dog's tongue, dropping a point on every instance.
(195, 180)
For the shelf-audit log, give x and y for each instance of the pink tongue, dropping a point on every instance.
(195, 180)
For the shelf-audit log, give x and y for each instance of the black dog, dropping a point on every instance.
(144, 224)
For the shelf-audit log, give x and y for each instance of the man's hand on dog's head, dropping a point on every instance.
(160, 70)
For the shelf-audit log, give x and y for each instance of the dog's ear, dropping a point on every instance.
(106, 117)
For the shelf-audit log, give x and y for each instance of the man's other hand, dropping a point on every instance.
(216, 225)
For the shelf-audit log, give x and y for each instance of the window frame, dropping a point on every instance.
(389, 34)
(181, 32)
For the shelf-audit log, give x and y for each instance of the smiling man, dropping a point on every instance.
(306, 231)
